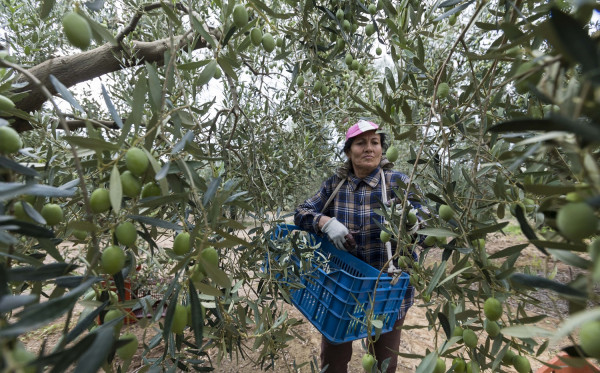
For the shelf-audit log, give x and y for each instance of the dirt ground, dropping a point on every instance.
(298, 352)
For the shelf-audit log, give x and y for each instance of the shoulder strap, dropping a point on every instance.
(383, 188)
(387, 245)
(332, 196)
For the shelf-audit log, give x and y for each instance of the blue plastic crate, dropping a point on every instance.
(337, 301)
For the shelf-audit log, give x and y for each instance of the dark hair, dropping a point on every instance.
(349, 142)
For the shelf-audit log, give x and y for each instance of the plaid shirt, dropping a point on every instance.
(354, 206)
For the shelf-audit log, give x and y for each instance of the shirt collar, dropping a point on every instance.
(371, 180)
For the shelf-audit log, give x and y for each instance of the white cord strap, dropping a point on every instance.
(388, 245)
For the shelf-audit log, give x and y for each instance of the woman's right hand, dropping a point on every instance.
(336, 232)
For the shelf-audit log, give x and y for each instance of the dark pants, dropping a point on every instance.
(337, 356)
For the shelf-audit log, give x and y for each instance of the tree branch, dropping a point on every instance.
(74, 69)
(138, 15)
(81, 123)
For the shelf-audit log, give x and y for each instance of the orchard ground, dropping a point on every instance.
(415, 340)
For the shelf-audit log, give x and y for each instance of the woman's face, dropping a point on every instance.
(365, 153)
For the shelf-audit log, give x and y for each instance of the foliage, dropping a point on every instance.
(232, 141)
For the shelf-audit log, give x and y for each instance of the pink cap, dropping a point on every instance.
(361, 126)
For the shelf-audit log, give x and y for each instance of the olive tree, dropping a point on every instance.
(151, 146)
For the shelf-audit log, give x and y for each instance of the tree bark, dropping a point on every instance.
(78, 68)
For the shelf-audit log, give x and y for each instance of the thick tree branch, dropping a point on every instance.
(82, 123)
(74, 69)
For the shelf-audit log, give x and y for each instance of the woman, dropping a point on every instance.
(344, 210)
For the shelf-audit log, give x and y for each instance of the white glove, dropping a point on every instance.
(336, 232)
(415, 227)
(410, 229)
